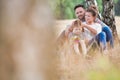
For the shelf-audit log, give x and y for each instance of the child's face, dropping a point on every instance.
(77, 30)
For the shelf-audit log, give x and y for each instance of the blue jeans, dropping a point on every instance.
(105, 36)
(101, 39)
(109, 35)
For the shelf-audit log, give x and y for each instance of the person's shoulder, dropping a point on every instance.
(97, 20)
(97, 24)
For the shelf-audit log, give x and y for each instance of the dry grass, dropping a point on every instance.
(26, 40)
(27, 47)
(96, 67)
(75, 67)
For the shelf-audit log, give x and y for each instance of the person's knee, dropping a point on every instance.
(108, 32)
(106, 29)
(102, 38)
(102, 35)
(107, 37)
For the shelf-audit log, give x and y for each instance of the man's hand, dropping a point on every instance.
(68, 29)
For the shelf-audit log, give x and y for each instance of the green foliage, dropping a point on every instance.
(104, 71)
(104, 75)
(115, 1)
(117, 7)
(99, 2)
(63, 9)
(68, 13)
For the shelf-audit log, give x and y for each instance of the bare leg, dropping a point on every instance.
(76, 48)
(83, 46)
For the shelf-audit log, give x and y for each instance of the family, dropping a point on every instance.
(86, 29)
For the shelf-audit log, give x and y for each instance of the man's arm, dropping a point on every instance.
(68, 29)
(97, 20)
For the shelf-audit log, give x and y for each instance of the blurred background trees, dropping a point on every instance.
(109, 16)
(117, 6)
(63, 9)
(26, 40)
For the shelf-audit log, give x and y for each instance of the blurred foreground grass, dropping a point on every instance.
(27, 47)
(97, 67)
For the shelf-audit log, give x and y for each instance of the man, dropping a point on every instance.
(80, 12)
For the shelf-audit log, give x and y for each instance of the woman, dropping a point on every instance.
(105, 28)
(93, 30)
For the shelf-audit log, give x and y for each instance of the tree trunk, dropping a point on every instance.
(92, 2)
(26, 40)
(108, 16)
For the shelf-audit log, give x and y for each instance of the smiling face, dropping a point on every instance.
(80, 13)
(89, 18)
(77, 30)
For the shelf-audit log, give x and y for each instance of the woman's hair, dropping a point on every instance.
(93, 12)
(93, 7)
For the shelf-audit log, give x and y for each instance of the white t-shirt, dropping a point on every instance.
(88, 34)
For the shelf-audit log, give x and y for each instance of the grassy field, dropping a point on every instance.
(98, 67)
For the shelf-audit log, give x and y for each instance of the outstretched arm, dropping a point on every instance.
(90, 29)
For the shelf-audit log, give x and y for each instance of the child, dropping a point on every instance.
(76, 38)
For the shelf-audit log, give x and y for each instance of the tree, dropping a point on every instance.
(108, 15)
(26, 40)
(117, 7)
(92, 2)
